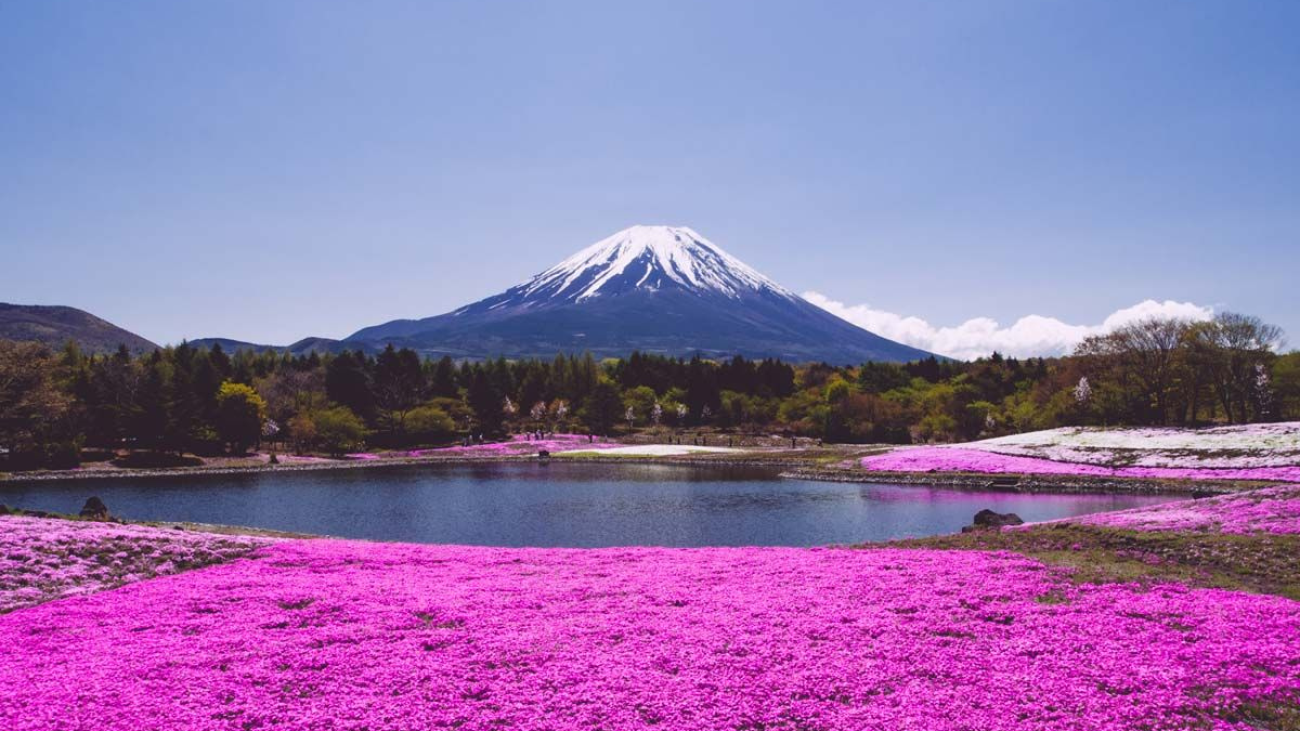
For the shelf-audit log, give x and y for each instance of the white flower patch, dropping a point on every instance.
(1225, 447)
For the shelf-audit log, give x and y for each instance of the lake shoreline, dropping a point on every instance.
(1080, 484)
(795, 464)
(756, 459)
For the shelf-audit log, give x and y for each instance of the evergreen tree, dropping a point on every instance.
(398, 387)
(485, 400)
(443, 379)
(602, 408)
(150, 417)
(348, 383)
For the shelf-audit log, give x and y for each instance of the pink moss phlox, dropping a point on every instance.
(956, 459)
(346, 635)
(1270, 510)
(43, 559)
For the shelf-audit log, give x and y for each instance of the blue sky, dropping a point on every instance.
(271, 170)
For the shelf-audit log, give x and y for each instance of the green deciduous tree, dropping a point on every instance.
(338, 430)
(240, 413)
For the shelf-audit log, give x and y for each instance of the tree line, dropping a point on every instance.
(57, 407)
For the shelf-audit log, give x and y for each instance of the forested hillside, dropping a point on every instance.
(207, 401)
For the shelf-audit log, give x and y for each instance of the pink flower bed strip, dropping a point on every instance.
(343, 635)
(1270, 510)
(43, 559)
(953, 459)
(518, 445)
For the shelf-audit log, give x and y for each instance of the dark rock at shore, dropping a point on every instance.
(95, 509)
(988, 520)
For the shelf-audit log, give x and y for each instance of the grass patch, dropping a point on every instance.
(1262, 563)
(588, 454)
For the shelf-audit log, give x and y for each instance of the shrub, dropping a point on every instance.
(338, 429)
(429, 423)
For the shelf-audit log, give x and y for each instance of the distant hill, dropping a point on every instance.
(55, 325)
(231, 346)
(302, 347)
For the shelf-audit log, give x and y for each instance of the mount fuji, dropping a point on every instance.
(657, 289)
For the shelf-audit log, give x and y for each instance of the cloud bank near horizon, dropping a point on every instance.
(1030, 336)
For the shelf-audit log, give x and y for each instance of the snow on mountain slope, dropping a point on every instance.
(647, 258)
(657, 289)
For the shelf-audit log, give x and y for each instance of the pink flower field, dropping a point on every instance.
(349, 635)
(1270, 510)
(517, 446)
(43, 559)
(957, 459)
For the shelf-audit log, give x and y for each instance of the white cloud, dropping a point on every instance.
(1031, 335)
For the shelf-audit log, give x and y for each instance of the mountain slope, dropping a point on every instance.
(55, 325)
(305, 346)
(659, 289)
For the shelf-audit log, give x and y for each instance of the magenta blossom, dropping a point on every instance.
(348, 635)
(1269, 510)
(43, 559)
(956, 459)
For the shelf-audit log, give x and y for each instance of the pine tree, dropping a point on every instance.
(602, 408)
(486, 402)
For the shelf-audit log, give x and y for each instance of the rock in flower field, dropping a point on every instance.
(347, 635)
(43, 559)
(1269, 510)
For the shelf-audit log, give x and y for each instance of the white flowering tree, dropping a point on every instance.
(538, 412)
(1083, 398)
(1263, 392)
(1083, 391)
(630, 416)
(508, 409)
(656, 414)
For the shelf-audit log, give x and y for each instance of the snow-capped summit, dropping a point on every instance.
(651, 258)
(659, 289)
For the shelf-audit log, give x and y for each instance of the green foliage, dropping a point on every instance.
(240, 413)
(429, 423)
(398, 387)
(33, 405)
(641, 400)
(836, 390)
(337, 429)
(603, 408)
(486, 400)
(882, 377)
(1286, 385)
(180, 400)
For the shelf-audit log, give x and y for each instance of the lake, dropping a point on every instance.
(577, 505)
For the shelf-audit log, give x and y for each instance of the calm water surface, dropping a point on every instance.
(578, 505)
